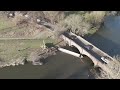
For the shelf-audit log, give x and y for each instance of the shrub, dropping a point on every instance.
(76, 24)
(54, 15)
(114, 70)
(95, 17)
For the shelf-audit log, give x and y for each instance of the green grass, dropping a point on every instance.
(13, 49)
(4, 23)
(7, 25)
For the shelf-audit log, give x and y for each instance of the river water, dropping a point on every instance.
(63, 66)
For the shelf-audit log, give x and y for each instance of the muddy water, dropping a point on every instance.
(56, 67)
(63, 66)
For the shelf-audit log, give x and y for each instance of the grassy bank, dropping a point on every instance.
(13, 49)
(17, 42)
(79, 22)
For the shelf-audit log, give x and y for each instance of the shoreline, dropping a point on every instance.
(39, 55)
(22, 60)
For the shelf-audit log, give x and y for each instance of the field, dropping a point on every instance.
(19, 41)
(13, 49)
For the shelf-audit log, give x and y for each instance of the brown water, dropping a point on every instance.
(63, 66)
(56, 67)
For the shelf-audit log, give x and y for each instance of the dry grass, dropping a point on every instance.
(11, 28)
(5, 23)
(83, 22)
(76, 24)
(12, 50)
(114, 70)
(80, 22)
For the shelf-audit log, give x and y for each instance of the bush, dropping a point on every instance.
(54, 16)
(83, 22)
(114, 70)
(80, 22)
(95, 17)
(76, 24)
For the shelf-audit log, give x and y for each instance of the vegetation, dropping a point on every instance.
(18, 40)
(83, 22)
(79, 22)
(15, 52)
(12, 49)
(21, 27)
(113, 70)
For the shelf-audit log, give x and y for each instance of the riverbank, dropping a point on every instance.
(18, 52)
(39, 55)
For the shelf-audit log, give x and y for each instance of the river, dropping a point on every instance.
(63, 66)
